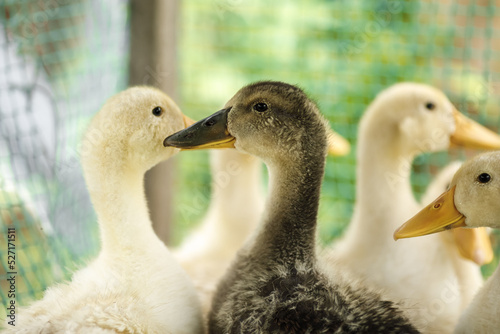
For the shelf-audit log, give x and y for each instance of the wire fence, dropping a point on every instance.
(342, 53)
(60, 60)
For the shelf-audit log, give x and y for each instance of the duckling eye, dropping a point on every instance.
(157, 111)
(484, 178)
(260, 107)
(430, 106)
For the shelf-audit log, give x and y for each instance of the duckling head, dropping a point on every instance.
(277, 113)
(471, 201)
(129, 130)
(423, 120)
(269, 119)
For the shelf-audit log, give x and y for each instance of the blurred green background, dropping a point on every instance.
(62, 59)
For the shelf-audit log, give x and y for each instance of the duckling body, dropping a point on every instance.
(426, 273)
(134, 285)
(393, 267)
(276, 284)
(481, 315)
(236, 206)
(472, 201)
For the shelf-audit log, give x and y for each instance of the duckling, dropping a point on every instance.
(471, 244)
(134, 285)
(275, 284)
(403, 121)
(471, 201)
(235, 209)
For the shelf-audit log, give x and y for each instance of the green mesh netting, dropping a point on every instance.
(59, 61)
(342, 53)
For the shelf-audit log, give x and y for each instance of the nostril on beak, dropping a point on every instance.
(210, 122)
(188, 135)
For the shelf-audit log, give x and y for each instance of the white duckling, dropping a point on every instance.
(275, 284)
(403, 121)
(134, 285)
(476, 245)
(473, 200)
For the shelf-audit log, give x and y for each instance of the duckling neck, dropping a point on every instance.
(382, 173)
(383, 188)
(121, 208)
(289, 224)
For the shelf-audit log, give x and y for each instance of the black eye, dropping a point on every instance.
(484, 178)
(260, 107)
(430, 106)
(157, 111)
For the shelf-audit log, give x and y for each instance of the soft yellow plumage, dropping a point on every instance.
(134, 285)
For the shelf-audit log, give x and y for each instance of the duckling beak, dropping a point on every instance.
(210, 132)
(337, 145)
(471, 134)
(474, 244)
(438, 216)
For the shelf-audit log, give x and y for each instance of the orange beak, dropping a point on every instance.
(337, 145)
(474, 244)
(187, 121)
(471, 134)
(438, 216)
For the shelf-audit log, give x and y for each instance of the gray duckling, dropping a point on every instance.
(275, 284)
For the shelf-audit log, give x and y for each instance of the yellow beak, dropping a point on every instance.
(337, 145)
(474, 244)
(471, 134)
(438, 216)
